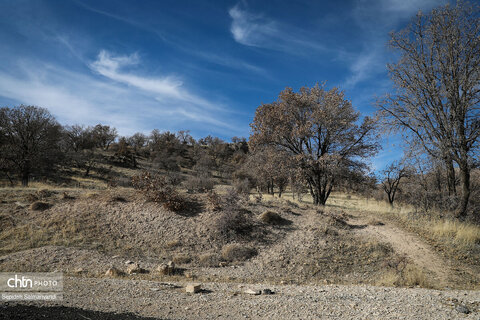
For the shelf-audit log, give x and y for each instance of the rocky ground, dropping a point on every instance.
(88, 298)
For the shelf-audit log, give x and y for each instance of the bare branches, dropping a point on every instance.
(318, 129)
(437, 82)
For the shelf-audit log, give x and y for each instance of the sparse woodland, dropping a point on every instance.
(309, 148)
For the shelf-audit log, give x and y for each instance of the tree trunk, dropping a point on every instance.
(452, 190)
(465, 177)
(25, 176)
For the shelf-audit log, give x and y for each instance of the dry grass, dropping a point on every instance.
(462, 235)
(460, 232)
(409, 276)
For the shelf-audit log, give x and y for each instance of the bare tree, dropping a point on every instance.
(78, 137)
(318, 129)
(392, 175)
(30, 139)
(137, 141)
(438, 87)
(104, 135)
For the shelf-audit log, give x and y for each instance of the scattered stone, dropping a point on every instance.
(462, 309)
(78, 270)
(167, 269)
(252, 292)
(267, 291)
(134, 268)
(113, 272)
(193, 288)
(128, 262)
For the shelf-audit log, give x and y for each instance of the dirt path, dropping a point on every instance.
(407, 244)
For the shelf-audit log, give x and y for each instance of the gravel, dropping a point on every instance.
(91, 298)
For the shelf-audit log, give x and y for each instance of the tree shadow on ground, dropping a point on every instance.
(21, 312)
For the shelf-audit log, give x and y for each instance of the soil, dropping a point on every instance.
(84, 234)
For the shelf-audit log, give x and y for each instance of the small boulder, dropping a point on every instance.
(134, 268)
(462, 309)
(193, 288)
(167, 269)
(113, 272)
(252, 292)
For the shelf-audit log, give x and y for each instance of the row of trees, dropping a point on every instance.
(33, 142)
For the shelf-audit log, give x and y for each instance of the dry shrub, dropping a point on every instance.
(237, 252)
(39, 206)
(271, 217)
(233, 223)
(200, 183)
(159, 189)
(242, 187)
(402, 273)
(213, 202)
(181, 258)
(209, 260)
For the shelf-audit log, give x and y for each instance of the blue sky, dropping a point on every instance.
(198, 65)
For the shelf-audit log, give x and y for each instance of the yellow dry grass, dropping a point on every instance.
(462, 235)
(459, 232)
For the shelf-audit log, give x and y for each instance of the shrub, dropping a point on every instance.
(209, 260)
(233, 223)
(213, 202)
(199, 183)
(237, 252)
(159, 189)
(271, 217)
(243, 187)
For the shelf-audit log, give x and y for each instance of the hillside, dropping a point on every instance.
(292, 247)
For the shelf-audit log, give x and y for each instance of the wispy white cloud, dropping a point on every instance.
(110, 66)
(256, 30)
(129, 102)
(163, 88)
